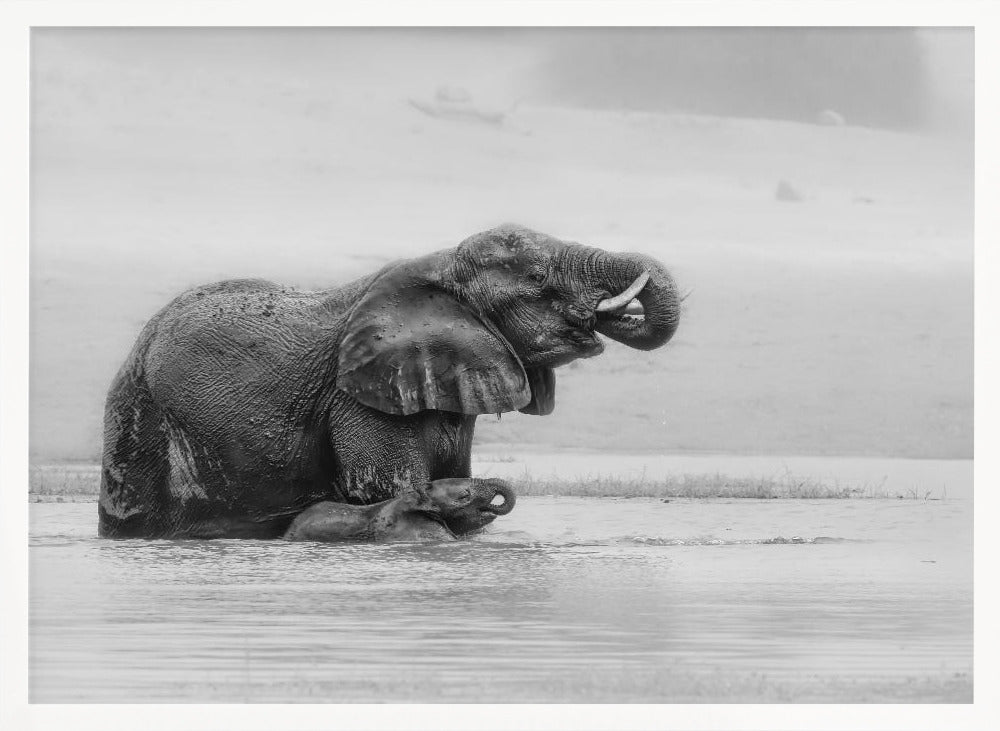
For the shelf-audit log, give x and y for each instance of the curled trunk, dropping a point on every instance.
(504, 491)
(657, 296)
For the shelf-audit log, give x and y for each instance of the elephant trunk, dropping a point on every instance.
(504, 491)
(628, 276)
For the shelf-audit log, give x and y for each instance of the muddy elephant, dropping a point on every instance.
(244, 402)
(437, 511)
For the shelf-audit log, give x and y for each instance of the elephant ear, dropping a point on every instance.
(409, 346)
(543, 391)
(421, 502)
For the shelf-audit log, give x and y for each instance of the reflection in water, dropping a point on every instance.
(566, 599)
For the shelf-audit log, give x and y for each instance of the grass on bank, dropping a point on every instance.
(81, 483)
(700, 486)
(64, 483)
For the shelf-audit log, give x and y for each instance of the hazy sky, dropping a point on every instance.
(770, 72)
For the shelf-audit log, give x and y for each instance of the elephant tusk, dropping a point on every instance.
(633, 308)
(623, 299)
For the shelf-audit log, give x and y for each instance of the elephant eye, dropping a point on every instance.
(537, 276)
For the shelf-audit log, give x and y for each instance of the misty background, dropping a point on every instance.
(813, 186)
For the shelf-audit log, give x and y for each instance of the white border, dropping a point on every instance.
(16, 18)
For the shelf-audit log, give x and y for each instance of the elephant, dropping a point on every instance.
(441, 510)
(244, 402)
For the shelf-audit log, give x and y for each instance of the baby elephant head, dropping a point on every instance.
(465, 504)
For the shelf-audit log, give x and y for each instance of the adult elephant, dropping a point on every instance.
(243, 402)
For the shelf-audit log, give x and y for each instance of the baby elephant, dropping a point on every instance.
(434, 511)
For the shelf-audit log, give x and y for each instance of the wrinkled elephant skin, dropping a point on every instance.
(243, 402)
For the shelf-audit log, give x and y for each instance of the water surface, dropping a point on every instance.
(565, 599)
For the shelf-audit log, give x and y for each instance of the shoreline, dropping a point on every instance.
(587, 474)
(513, 449)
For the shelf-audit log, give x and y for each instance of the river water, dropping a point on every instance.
(565, 599)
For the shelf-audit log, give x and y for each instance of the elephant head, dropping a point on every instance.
(479, 328)
(464, 504)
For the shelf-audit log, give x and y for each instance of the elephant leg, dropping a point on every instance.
(363, 482)
(378, 455)
(134, 466)
(448, 439)
(375, 456)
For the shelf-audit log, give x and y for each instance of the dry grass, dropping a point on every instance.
(64, 483)
(699, 486)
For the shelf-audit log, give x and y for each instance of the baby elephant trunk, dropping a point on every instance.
(503, 498)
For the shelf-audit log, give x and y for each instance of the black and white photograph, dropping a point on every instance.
(501, 364)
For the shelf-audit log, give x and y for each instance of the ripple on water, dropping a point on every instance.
(565, 599)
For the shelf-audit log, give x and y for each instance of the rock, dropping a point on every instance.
(453, 94)
(462, 110)
(785, 192)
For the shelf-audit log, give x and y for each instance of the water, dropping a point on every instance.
(565, 599)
